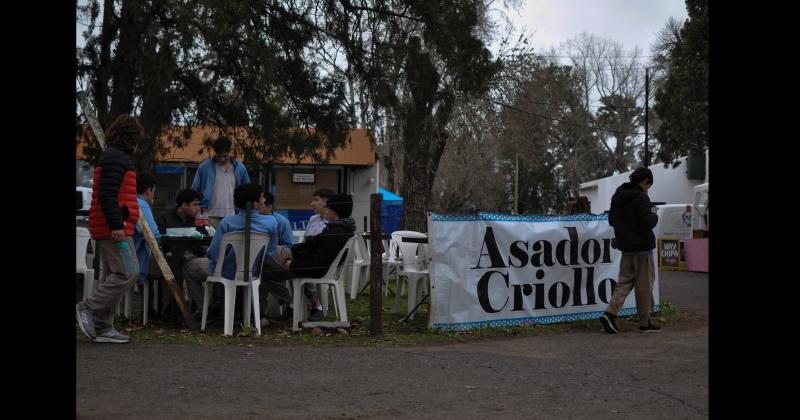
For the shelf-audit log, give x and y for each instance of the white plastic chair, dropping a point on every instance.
(392, 262)
(146, 288)
(82, 238)
(332, 278)
(258, 240)
(414, 267)
(359, 264)
(126, 304)
(388, 260)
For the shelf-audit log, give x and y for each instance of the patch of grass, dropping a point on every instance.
(395, 333)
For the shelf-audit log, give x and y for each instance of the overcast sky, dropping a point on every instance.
(631, 22)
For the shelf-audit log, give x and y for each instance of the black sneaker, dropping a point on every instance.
(650, 328)
(607, 319)
(286, 315)
(315, 315)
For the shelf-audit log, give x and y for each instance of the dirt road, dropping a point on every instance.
(580, 374)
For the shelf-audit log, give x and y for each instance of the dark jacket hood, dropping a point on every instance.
(627, 192)
(632, 217)
(348, 223)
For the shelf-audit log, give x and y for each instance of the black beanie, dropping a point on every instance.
(640, 174)
(342, 204)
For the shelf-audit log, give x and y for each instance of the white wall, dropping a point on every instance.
(361, 187)
(670, 185)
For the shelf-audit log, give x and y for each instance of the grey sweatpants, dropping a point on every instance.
(113, 285)
(195, 271)
(635, 272)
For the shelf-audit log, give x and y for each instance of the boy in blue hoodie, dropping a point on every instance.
(216, 179)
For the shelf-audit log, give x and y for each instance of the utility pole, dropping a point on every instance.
(646, 115)
(516, 184)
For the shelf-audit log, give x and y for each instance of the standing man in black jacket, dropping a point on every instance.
(633, 220)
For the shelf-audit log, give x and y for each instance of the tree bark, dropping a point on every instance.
(109, 29)
(421, 168)
(126, 60)
(159, 70)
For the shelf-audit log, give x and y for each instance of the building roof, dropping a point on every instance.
(357, 151)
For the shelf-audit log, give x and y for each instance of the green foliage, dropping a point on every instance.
(682, 101)
(621, 115)
(415, 59)
(219, 63)
(548, 127)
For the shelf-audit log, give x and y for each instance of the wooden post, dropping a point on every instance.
(177, 293)
(375, 267)
(93, 123)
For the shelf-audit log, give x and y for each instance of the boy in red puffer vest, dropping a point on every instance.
(112, 219)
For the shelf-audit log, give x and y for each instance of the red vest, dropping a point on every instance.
(98, 227)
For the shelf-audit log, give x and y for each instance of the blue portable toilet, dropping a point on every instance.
(391, 211)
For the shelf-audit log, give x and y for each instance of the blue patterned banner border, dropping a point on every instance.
(507, 217)
(514, 322)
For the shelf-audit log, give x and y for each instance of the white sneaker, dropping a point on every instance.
(111, 335)
(85, 318)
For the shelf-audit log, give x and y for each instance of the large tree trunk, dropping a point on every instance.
(108, 31)
(420, 164)
(417, 194)
(126, 60)
(159, 68)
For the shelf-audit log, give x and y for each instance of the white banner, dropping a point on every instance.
(493, 269)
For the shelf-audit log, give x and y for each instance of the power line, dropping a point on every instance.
(556, 119)
(588, 106)
(600, 56)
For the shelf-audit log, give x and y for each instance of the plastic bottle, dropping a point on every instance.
(128, 262)
(200, 222)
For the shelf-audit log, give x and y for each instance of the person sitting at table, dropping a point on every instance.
(316, 223)
(187, 205)
(145, 191)
(313, 257)
(195, 263)
(242, 195)
(285, 236)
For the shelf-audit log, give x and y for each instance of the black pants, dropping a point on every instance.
(273, 277)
